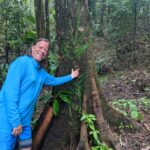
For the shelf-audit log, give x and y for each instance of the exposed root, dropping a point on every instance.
(83, 143)
(106, 133)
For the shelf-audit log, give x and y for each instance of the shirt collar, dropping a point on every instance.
(35, 63)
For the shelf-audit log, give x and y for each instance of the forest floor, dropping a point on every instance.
(129, 92)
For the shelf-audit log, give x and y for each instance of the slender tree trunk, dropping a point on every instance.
(102, 17)
(57, 9)
(40, 18)
(47, 19)
(42, 21)
(135, 2)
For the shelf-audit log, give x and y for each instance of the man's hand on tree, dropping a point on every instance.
(75, 73)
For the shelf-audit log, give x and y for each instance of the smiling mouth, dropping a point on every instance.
(41, 56)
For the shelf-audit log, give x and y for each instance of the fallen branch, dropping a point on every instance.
(40, 131)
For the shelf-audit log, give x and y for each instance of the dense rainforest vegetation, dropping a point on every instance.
(108, 106)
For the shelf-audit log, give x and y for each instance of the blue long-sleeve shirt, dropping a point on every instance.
(21, 88)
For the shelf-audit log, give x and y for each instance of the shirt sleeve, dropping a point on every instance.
(55, 81)
(11, 93)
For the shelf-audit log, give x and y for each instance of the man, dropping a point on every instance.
(19, 94)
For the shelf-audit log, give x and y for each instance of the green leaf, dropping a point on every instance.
(96, 137)
(65, 92)
(56, 107)
(80, 50)
(83, 117)
(136, 115)
(92, 116)
(65, 98)
(91, 126)
(31, 19)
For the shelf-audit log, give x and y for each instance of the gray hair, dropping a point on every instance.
(41, 39)
(34, 43)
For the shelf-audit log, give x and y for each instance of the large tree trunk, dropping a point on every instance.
(91, 99)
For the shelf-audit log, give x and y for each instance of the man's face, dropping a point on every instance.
(40, 50)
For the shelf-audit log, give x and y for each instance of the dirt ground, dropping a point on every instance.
(130, 84)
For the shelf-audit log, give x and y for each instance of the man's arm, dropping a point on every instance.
(11, 90)
(55, 81)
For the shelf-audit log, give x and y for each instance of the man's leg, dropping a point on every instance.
(25, 139)
(7, 140)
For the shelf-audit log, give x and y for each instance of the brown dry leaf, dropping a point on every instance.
(147, 126)
(146, 148)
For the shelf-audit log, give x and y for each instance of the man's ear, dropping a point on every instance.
(33, 46)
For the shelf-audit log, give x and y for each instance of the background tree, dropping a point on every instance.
(40, 18)
(47, 19)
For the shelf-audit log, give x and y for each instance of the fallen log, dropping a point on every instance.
(43, 124)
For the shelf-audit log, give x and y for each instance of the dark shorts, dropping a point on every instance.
(25, 138)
